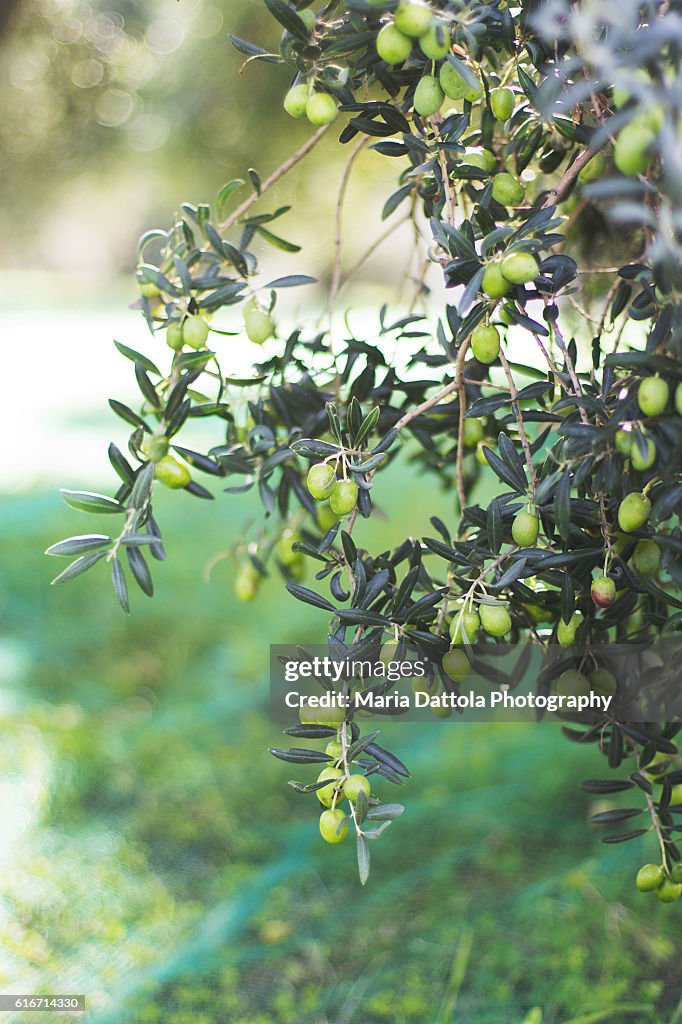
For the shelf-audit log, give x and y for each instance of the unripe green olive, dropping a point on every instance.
(393, 46)
(258, 323)
(485, 340)
(502, 104)
(296, 100)
(676, 873)
(572, 684)
(465, 622)
(343, 497)
(494, 283)
(633, 512)
(247, 583)
(354, 785)
(453, 84)
(520, 267)
(154, 446)
(646, 557)
(333, 717)
(321, 109)
(334, 749)
(413, 19)
(537, 613)
(593, 169)
(326, 794)
(507, 190)
(333, 825)
(435, 42)
(172, 473)
(320, 479)
(623, 441)
(428, 96)
(653, 396)
(195, 331)
(566, 631)
(649, 877)
(481, 158)
(285, 548)
(632, 152)
(473, 432)
(174, 335)
(325, 517)
(525, 529)
(641, 461)
(456, 665)
(669, 891)
(602, 681)
(474, 92)
(480, 454)
(148, 289)
(603, 591)
(495, 619)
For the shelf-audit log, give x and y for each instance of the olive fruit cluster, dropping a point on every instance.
(192, 331)
(516, 268)
(494, 619)
(304, 101)
(323, 485)
(667, 886)
(341, 786)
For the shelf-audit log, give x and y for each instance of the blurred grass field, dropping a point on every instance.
(155, 859)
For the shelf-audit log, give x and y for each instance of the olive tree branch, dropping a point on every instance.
(519, 423)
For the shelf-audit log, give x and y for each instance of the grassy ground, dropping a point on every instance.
(155, 859)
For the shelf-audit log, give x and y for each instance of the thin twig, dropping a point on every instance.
(283, 169)
(338, 241)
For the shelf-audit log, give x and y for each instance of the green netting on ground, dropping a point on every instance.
(154, 858)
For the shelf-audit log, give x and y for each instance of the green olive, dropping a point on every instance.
(481, 158)
(428, 96)
(393, 46)
(296, 100)
(507, 190)
(333, 717)
(174, 335)
(669, 891)
(502, 104)
(520, 268)
(641, 461)
(467, 623)
(456, 665)
(435, 42)
(495, 619)
(632, 152)
(602, 681)
(603, 591)
(354, 785)
(676, 873)
(325, 517)
(653, 396)
(593, 169)
(333, 825)
(285, 547)
(321, 109)
(572, 684)
(320, 478)
(258, 323)
(473, 432)
(195, 331)
(343, 497)
(148, 289)
(453, 84)
(623, 441)
(334, 749)
(646, 557)
(633, 512)
(485, 340)
(494, 283)
(326, 794)
(154, 446)
(413, 19)
(678, 399)
(649, 877)
(247, 582)
(525, 529)
(172, 473)
(566, 631)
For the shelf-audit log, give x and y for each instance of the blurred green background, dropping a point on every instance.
(151, 854)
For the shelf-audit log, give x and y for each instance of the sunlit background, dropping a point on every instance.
(152, 856)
